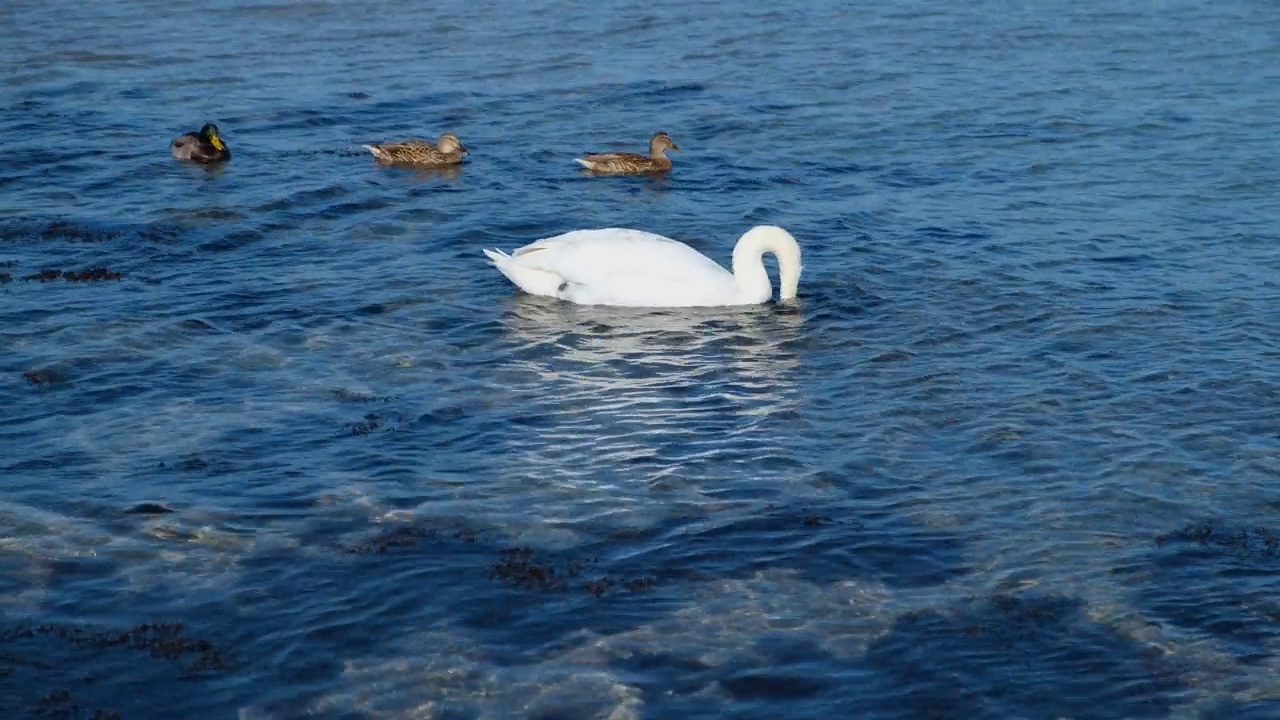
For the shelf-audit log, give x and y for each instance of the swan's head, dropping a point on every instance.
(660, 143)
(763, 239)
(450, 143)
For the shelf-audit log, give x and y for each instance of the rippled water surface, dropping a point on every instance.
(1014, 454)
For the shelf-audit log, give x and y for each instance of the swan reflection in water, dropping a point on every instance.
(613, 394)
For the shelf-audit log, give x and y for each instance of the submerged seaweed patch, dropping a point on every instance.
(1216, 579)
(604, 584)
(358, 397)
(519, 567)
(59, 705)
(49, 664)
(166, 641)
(90, 275)
(45, 376)
(77, 232)
(409, 536)
(523, 568)
(149, 508)
(746, 545)
(401, 536)
(188, 463)
(1236, 541)
(44, 275)
(1017, 656)
(373, 422)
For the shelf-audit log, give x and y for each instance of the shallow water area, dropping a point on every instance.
(278, 442)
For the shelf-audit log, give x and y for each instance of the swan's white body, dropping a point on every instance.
(618, 266)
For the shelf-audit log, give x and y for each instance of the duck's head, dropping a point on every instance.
(660, 143)
(450, 143)
(210, 134)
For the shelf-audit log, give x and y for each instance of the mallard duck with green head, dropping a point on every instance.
(448, 150)
(625, 163)
(205, 146)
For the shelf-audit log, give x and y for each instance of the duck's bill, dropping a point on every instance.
(464, 150)
(217, 142)
(675, 146)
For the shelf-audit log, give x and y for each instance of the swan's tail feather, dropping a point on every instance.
(530, 280)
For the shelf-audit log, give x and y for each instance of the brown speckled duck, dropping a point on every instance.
(624, 163)
(205, 146)
(448, 150)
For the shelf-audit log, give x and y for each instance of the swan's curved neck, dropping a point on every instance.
(748, 263)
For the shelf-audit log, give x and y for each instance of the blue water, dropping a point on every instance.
(1014, 454)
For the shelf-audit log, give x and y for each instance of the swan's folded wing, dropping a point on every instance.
(650, 290)
(588, 257)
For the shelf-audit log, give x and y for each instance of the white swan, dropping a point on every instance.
(618, 266)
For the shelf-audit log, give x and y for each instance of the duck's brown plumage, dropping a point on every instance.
(448, 150)
(204, 146)
(625, 163)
